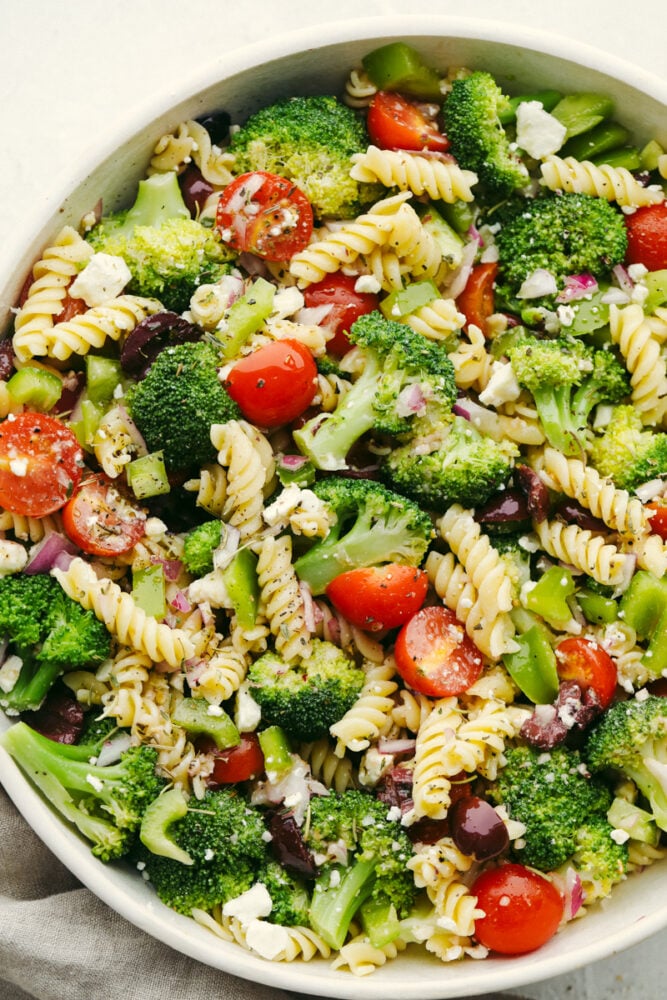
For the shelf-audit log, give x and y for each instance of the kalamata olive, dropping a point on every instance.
(573, 513)
(217, 125)
(6, 359)
(195, 189)
(152, 335)
(60, 718)
(505, 507)
(534, 490)
(289, 847)
(477, 829)
(395, 788)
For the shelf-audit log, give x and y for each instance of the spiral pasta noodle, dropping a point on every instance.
(411, 709)
(472, 363)
(330, 390)
(455, 906)
(604, 181)
(246, 477)
(211, 489)
(437, 320)
(51, 275)
(110, 321)
(114, 442)
(359, 90)
(281, 598)
(370, 715)
(415, 172)
(434, 864)
(432, 774)
(362, 958)
(124, 619)
(298, 942)
(220, 674)
(579, 547)
(191, 141)
(630, 330)
(325, 766)
(29, 529)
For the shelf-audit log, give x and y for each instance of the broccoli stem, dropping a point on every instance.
(158, 199)
(380, 922)
(32, 686)
(558, 423)
(333, 907)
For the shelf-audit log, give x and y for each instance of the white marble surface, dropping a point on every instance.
(70, 69)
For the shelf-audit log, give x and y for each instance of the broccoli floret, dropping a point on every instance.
(466, 467)
(308, 696)
(289, 896)
(49, 632)
(199, 546)
(373, 525)
(176, 403)
(224, 836)
(378, 851)
(554, 796)
(599, 860)
(477, 138)
(407, 384)
(631, 737)
(168, 253)
(105, 804)
(567, 380)
(310, 140)
(564, 234)
(628, 452)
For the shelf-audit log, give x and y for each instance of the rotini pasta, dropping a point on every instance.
(92, 329)
(590, 553)
(630, 330)
(370, 716)
(191, 141)
(282, 599)
(414, 172)
(604, 181)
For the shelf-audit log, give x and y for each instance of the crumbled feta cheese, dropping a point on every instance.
(247, 712)
(619, 836)
(639, 294)
(367, 283)
(104, 277)
(210, 589)
(18, 466)
(540, 282)
(268, 940)
(637, 271)
(154, 527)
(502, 386)
(13, 557)
(538, 132)
(286, 302)
(566, 315)
(642, 695)
(9, 673)
(251, 904)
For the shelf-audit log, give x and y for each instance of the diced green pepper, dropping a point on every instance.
(459, 215)
(155, 823)
(397, 66)
(198, 718)
(246, 316)
(86, 427)
(590, 313)
(599, 140)
(549, 597)
(656, 282)
(533, 666)
(276, 749)
(547, 98)
(242, 586)
(148, 590)
(380, 922)
(449, 241)
(644, 608)
(35, 387)
(597, 609)
(582, 112)
(102, 377)
(626, 157)
(650, 154)
(405, 301)
(295, 473)
(147, 476)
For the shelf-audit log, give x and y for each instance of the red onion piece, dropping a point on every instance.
(623, 279)
(313, 315)
(577, 286)
(410, 400)
(397, 747)
(308, 606)
(113, 748)
(180, 602)
(462, 410)
(6, 359)
(292, 462)
(62, 561)
(570, 887)
(43, 556)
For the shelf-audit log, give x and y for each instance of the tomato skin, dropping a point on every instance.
(393, 122)
(379, 597)
(522, 909)
(435, 656)
(240, 763)
(658, 518)
(47, 463)
(275, 383)
(347, 305)
(589, 665)
(264, 214)
(647, 236)
(476, 301)
(100, 521)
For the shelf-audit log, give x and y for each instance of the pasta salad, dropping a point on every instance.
(333, 523)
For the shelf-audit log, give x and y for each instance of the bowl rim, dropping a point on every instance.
(171, 928)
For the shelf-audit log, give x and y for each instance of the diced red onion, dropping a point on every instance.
(62, 561)
(308, 606)
(474, 234)
(180, 602)
(461, 411)
(113, 748)
(293, 462)
(43, 555)
(255, 266)
(577, 286)
(570, 888)
(410, 400)
(623, 279)
(396, 748)
(194, 668)
(460, 276)
(172, 568)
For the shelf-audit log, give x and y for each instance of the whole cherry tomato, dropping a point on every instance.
(264, 214)
(435, 656)
(379, 597)
(522, 909)
(347, 305)
(275, 383)
(393, 122)
(40, 464)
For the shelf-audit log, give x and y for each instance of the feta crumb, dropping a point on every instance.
(209, 854)
(247, 712)
(619, 836)
(18, 466)
(286, 302)
(367, 283)
(642, 695)
(540, 282)
(566, 315)
(268, 940)
(502, 386)
(251, 904)
(104, 277)
(95, 782)
(13, 557)
(537, 131)
(9, 673)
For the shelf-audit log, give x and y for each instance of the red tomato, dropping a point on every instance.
(264, 214)
(40, 464)
(658, 518)
(589, 665)
(380, 596)
(275, 383)
(522, 909)
(396, 123)
(347, 305)
(71, 308)
(100, 520)
(476, 301)
(240, 763)
(435, 656)
(647, 236)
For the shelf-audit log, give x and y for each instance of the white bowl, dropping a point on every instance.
(240, 83)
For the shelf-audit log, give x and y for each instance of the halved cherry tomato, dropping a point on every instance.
(275, 383)
(100, 520)
(40, 464)
(476, 301)
(393, 122)
(435, 656)
(71, 308)
(380, 596)
(589, 665)
(347, 305)
(522, 909)
(658, 520)
(264, 214)
(647, 236)
(242, 762)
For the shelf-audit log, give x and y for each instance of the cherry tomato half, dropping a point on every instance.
(435, 656)
(647, 236)
(396, 123)
(589, 665)
(476, 301)
(264, 214)
(522, 909)
(275, 383)
(380, 596)
(658, 509)
(100, 520)
(40, 464)
(347, 305)
(239, 763)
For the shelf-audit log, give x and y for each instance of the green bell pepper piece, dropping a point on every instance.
(246, 316)
(397, 66)
(533, 666)
(276, 749)
(197, 717)
(597, 609)
(36, 388)
(549, 597)
(242, 585)
(148, 590)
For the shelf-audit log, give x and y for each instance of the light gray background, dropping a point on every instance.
(70, 69)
